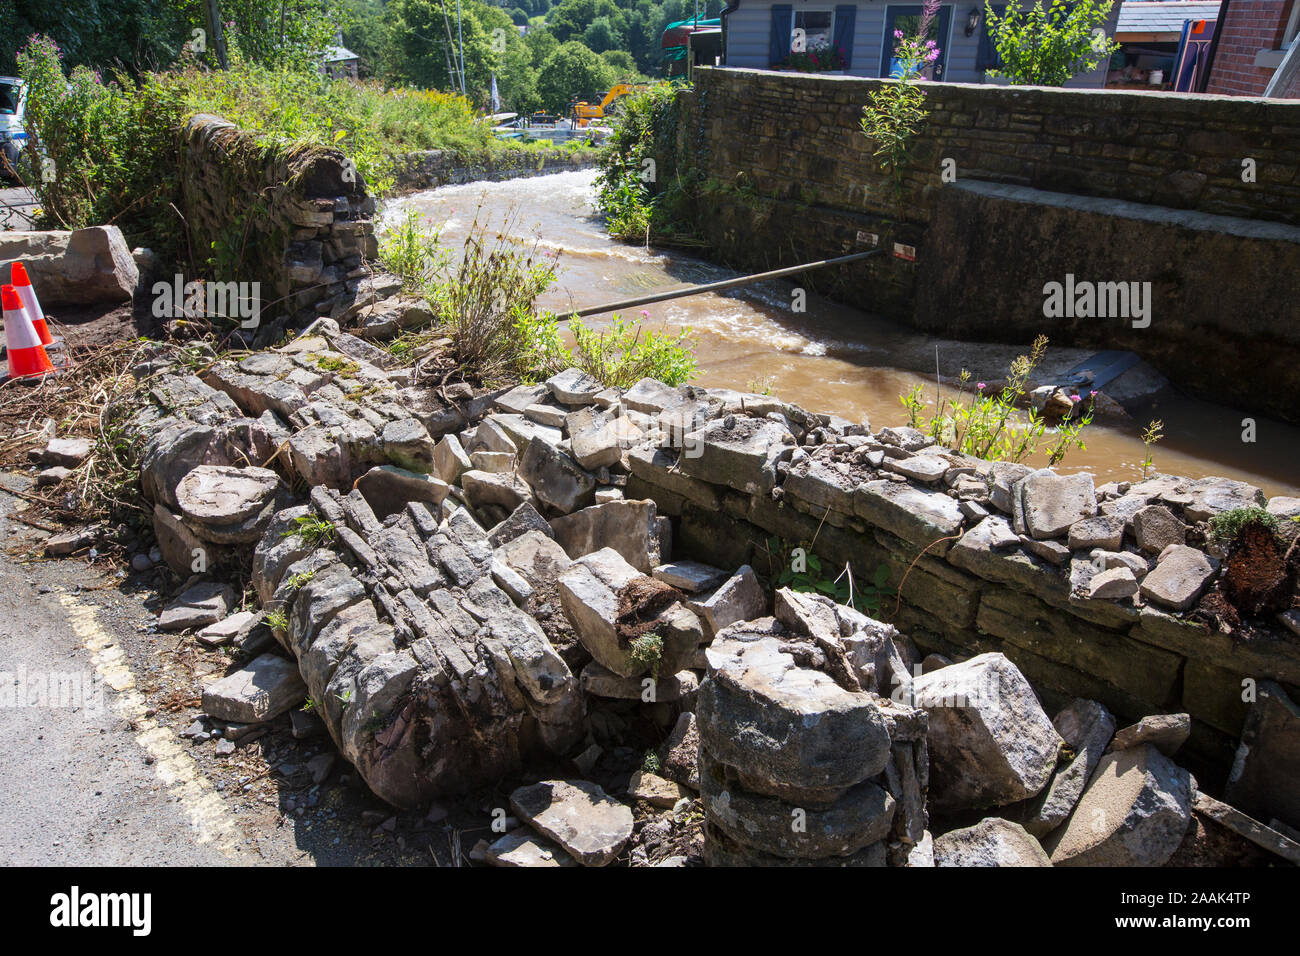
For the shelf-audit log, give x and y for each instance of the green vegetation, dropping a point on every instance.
(637, 205)
(315, 532)
(986, 424)
(803, 571)
(1227, 526)
(897, 110)
(277, 620)
(1051, 41)
(646, 652)
(1150, 435)
(296, 581)
(485, 302)
(650, 762)
(625, 353)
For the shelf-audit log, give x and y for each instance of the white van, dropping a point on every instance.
(13, 137)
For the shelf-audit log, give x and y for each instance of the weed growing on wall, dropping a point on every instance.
(986, 423)
(636, 205)
(897, 110)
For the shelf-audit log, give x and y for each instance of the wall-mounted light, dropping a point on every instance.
(973, 21)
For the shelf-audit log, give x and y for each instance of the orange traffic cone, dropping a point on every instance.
(27, 295)
(25, 352)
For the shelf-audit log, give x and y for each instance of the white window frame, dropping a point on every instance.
(1292, 26)
(830, 35)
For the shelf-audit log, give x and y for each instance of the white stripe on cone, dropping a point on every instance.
(31, 304)
(19, 332)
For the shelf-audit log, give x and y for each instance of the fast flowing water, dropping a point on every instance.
(831, 357)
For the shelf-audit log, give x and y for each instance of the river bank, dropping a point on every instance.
(832, 357)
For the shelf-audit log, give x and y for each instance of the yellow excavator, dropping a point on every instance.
(582, 112)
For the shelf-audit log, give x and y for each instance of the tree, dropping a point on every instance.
(569, 20)
(573, 71)
(601, 35)
(1050, 42)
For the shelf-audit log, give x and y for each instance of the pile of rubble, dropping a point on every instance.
(461, 578)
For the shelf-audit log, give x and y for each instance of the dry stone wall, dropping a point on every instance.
(300, 217)
(430, 169)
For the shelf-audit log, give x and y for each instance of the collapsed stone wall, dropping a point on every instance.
(460, 577)
(302, 218)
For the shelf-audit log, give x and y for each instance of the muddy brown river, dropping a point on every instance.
(832, 357)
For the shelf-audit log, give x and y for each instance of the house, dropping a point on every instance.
(339, 62)
(859, 37)
(1254, 36)
(1164, 44)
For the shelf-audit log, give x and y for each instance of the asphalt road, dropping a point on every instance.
(95, 768)
(75, 786)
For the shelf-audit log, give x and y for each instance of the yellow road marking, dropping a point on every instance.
(208, 816)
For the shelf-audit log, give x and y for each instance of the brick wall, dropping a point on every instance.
(1250, 26)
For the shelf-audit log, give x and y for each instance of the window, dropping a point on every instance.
(907, 19)
(811, 31)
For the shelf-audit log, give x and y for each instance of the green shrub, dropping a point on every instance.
(1051, 41)
(636, 205)
(485, 302)
(625, 353)
(1227, 526)
(410, 249)
(101, 152)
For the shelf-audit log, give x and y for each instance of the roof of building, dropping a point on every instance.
(1162, 16)
(333, 54)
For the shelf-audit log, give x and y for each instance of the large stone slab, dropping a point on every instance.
(264, 688)
(589, 594)
(556, 479)
(737, 451)
(990, 742)
(1265, 776)
(388, 489)
(198, 606)
(1178, 579)
(991, 842)
(792, 730)
(923, 518)
(859, 818)
(1135, 812)
(1051, 503)
(629, 527)
(1086, 727)
(591, 826)
(81, 267)
(739, 598)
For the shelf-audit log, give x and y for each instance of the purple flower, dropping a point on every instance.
(898, 34)
(981, 386)
(1075, 398)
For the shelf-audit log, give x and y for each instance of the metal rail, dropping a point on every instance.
(723, 285)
